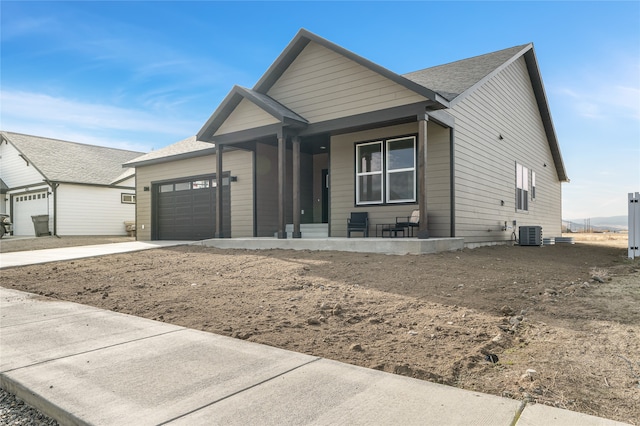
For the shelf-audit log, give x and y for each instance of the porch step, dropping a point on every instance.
(310, 230)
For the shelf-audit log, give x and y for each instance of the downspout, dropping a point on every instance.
(452, 181)
(54, 192)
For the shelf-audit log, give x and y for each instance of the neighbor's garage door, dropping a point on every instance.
(25, 206)
(186, 209)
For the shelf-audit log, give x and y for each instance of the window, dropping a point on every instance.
(386, 171)
(533, 185)
(200, 184)
(522, 187)
(128, 198)
(369, 173)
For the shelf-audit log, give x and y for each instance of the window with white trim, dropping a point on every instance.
(386, 171)
(533, 185)
(522, 187)
(128, 198)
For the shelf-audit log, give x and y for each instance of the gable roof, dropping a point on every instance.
(186, 148)
(258, 96)
(71, 162)
(304, 37)
(457, 80)
(266, 103)
(453, 79)
(443, 85)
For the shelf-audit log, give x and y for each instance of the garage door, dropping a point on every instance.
(186, 209)
(25, 206)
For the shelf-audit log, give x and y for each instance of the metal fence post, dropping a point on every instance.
(634, 225)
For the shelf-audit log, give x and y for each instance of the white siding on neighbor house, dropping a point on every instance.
(322, 85)
(486, 165)
(14, 170)
(246, 116)
(238, 163)
(342, 181)
(92, 210)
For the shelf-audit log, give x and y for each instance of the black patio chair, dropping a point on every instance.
(358, 222)
(410, 222)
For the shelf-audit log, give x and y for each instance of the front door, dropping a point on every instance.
(325, 195)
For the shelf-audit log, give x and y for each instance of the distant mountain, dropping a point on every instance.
(611, 223)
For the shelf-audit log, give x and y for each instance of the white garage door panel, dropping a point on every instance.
(25, 206)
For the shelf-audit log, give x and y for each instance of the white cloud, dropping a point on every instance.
(49, 116)
(611, 93)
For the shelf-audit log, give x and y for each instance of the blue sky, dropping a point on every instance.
(142, 75)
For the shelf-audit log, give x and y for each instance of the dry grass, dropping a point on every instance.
(612, 239)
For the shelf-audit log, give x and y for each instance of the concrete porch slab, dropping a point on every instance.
(360, 245)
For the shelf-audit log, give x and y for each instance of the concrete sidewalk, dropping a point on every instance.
(83, 365)
(22, 258)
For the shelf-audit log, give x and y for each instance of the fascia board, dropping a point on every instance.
(24, 156)
(303, 38)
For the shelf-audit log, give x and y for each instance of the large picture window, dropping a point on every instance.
(386, 171)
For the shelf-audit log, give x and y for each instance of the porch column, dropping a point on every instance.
(219, 209)
(423, 118)
(296, 187)
(282, 161)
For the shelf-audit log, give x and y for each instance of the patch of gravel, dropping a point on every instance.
(15, 412)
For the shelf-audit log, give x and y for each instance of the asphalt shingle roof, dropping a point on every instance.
(64, 161)
(452, 79)
(173, 151)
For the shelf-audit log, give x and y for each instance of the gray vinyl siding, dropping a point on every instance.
(323, 85)
(238, 163)
(485, 164)
(342, 181)
(246, 116)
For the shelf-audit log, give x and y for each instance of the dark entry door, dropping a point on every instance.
(186, 209)
(325, 195)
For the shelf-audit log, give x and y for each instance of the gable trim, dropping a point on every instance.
(545, 113)
(541, 99)
(304, 37)
(262, 101)
(23, 156)
(489, 76)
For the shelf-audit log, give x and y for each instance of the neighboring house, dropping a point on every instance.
(325, 132)
(81, 189)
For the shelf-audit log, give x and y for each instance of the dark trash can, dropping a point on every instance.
(41, 224)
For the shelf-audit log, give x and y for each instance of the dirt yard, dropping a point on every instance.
(559, 324)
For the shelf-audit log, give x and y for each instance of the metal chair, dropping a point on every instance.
(358, 222)
(410, 222)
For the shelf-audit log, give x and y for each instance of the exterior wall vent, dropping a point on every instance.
(530, 235)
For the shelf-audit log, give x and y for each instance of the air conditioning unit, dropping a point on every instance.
(531, 235)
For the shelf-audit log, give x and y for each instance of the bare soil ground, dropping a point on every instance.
(562, 321)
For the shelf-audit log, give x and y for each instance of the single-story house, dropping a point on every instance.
(71, 188)
(470, 144)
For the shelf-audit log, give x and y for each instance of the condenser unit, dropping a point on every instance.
(530, 235)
